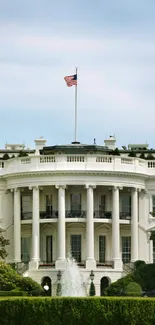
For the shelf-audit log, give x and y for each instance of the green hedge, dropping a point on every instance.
(77, 311)
(12, 293)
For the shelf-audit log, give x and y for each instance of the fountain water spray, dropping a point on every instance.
(72, 280)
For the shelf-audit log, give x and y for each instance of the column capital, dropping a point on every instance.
(15, 189)
(63, 186)
(117, 187)
(136, 189)
(93, 186)
(35, 187)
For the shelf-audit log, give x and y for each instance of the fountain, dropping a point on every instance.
(72, 284)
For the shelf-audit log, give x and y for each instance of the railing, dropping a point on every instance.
(2, 164)
(125, 215)
(47, 215)
(102, 215)
(151, 164)
(22, 267)
(76, 214)
(26, 215)
(79, 162)
(75, 158)
(46, 265)
(105, 264)
(128, 267)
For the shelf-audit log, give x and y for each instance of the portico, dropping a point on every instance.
(88, 217)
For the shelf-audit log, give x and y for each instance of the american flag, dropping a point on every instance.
(71, 80)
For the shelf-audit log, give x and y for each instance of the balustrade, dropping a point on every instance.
(85, 162)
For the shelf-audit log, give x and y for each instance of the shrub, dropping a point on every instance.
(138, 264)
(145, 276)
(10, 279)
(78, 311)
(30, 286)
(59, 289)
(117, 288)
(92, 291)
(133, 289)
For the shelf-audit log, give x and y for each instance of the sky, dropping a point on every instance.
(113, 45)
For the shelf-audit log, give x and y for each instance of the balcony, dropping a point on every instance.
(102, 215)
(47, 215)
(125, 215)
(76, 214)
(26, 215)
(105, 264)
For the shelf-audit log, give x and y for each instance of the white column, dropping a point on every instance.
(150, 205)
(116, 229)
(60, 263)
(17, 226)
(134, 225)
(35, 230)
(90, 261)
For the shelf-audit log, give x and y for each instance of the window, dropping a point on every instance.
(75, 200)
(153, 203)
(49, 207)
(49, 249)
(102, 249)
(26, 207)
(126, 249)
(25, 249)
(102, 205)
(126, 204)
(76, 247)
(153, 251)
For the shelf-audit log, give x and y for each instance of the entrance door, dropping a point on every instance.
(76, 247)
(49, 249)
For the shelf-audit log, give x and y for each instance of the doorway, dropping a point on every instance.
(104, 283)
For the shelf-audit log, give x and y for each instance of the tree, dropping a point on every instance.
(11, 280)
(3, 243)
(132, 154)
(92, 291)
(115, 152)
(142, 155)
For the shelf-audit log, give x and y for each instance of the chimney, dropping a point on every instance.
(39, 144)
(110, 142)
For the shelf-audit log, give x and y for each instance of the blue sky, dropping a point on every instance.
(112, 43)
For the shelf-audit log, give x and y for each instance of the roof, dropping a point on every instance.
(74, 148)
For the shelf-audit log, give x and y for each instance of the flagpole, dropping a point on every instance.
(75, 134)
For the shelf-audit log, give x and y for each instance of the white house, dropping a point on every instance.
(86, 200)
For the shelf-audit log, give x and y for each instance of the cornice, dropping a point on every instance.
(75, 172)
